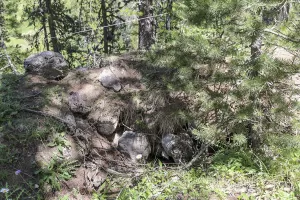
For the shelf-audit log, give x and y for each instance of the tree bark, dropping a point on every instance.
(168, 17)
(52, 27)
(146, 25)
(46, 41)
(105, 28)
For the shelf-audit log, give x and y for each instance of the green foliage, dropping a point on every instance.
(7, 156)
(9, 105)
(20, 133)
(163, 184)
(230, 171)
(212, 62)
(284, 154)
(236, 161)
(58, 140)
(235, 97)
(57, 171)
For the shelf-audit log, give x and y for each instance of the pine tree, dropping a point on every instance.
(223, 59)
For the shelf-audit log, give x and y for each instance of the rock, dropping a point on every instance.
(133, 144)
(180, 148)
(241, 190)
(100, 143)
(48, 64)
(82, 100)
(105, 117)
(269, 187)
(109, 80)
(84, 125)
(77, 103)
(61, 112)
(116, 139)
(96, 178)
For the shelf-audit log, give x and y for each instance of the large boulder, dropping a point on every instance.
(48, 64)
(179, 147)
(135, 145)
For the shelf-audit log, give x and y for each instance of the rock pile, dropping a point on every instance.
(91, 102)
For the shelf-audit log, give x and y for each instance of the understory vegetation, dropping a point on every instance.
(225, 72)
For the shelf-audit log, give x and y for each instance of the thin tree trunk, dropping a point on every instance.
(44, 27)
(105, 28)
(168, 17)
(80, 14)
(256, 47)
(52, 27)
(146, 25)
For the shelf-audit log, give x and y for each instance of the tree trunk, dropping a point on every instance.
(52, 27)
(105, 28)
(146, 25)
(256, 46)
(46, 42)
(168, 17)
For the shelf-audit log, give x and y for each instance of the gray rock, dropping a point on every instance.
(105, 117)
(82, 99)
(109, 80)
(134, 144)
(180, 148)
(48, 64)
(77, 103)
(70, 119)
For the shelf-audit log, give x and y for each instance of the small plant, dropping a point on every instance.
(6, 194)
(58, 140)
(6, 156)
(57, 171)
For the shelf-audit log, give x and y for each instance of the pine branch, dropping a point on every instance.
(281, 35)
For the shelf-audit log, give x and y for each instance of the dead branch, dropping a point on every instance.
(197, 158)
(281, 35)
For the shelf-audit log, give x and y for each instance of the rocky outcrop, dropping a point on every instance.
(94, 111)
(179, 147)
(136, 145)
(48, 64)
